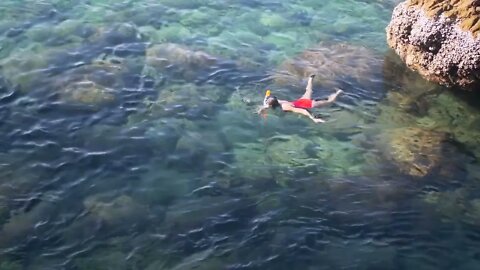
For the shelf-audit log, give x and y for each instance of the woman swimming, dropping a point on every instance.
(301, 105)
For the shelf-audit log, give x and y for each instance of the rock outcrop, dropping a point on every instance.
(439, 39)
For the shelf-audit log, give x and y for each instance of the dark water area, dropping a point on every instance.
(129, 140)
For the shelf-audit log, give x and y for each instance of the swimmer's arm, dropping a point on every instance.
(262, 109)
(303, 112)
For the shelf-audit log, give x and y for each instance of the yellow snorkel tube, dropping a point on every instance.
(267, 94)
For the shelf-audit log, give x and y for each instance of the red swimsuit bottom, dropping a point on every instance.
(303, 103)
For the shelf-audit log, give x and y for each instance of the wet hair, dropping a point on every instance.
(273, 101)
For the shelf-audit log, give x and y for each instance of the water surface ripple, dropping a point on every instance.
(129, 140)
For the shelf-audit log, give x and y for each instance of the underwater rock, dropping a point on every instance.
(97, 84)
(24, 69)
(120, 34)
(439, 39)
(162, 189)
(40, 33)
(414, 151)
(449, 204)
(40, 67)
(104, 259)
(184, 63)
(158, 265)
(67, 32)
(22, 224)
(189, 100)
(174, 32)
(199, 16)
(121, 210)
(330, 63)
(434, 109)
(4, 213)
(194, 213)
(273, 20)
(83, 228)
(183, 4)
(361, 255)
(88, 93)
(9, 265)
(165, 132)
(455, 205)
(251, 162)
(288, 158)
(397, 110)
(203, 260)
(198, 149)
(451, 114)
(338, 158)
(283, 158)
(474, 211)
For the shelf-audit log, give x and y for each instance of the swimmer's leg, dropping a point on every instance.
(330, 99)
(309, 88)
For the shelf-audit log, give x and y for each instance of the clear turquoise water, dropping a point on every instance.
(129, 141)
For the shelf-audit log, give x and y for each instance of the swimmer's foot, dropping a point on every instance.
(312, 76)
(318, 120)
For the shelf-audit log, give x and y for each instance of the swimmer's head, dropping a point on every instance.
(272, 102)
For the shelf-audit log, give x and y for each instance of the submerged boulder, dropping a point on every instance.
(102, 259)
(88, 92)
(96, 84)
(188, 101)
(24, 69)
(283, 158)
(439, 39)
(119, 211)
(414, 151)
(20, 225)
(180, 61)
(331, 63)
